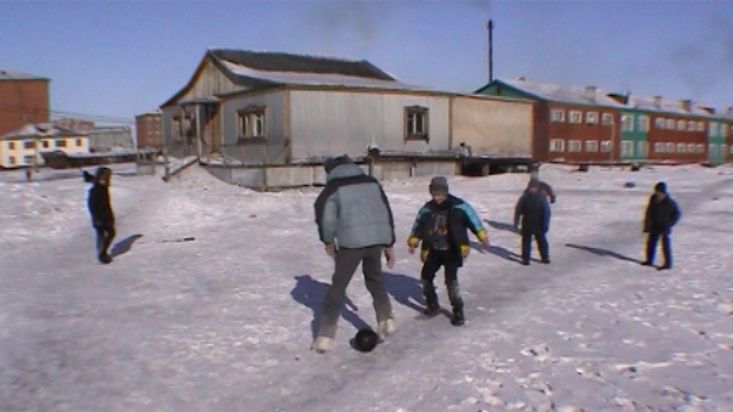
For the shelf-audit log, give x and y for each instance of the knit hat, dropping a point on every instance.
(439, 184)
(332, 162)
(660, 187)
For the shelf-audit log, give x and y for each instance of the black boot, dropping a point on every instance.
(458, 319)
(431, 298)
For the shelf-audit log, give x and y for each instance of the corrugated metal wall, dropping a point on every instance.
(273, 149)
(326, 123)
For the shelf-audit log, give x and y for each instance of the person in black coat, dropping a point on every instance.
(533, 211)
(100, 209)
(662, 214)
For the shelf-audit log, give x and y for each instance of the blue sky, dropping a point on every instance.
(119, 59)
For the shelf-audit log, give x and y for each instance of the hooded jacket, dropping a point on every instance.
(352, 211)
(661, 215)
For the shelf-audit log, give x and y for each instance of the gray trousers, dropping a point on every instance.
(347, 260)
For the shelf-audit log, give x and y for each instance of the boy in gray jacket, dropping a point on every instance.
(355, 224)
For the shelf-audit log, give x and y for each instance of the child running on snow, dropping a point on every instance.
(442, 226)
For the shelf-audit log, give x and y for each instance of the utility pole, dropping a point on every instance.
(490, 27)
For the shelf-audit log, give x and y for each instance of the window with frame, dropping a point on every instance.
(557, 145)
(60, 143)
(660, 123)
(591, 145)
(575, 116)
(251, 122)
(643, 122)
(681, 125)
(183, 124)
(591, 117)
(712, 150)
(28, 159)
(700, 148)
(29, 144)
(46, 144)
(607, 119)
(575, 146)
(11, 145)
(669, 147)
(627, 148)
(627, 123)
(658, 147)
(606, 146)
(723, 130)
(557, 115)
(78, 142)
(722, 150)
(700, 126)
(681, 148)
(691, 126)
(11, 160)
(671, 124)
(416, 123)
(642, 148)
(712, 129)
(691, 148)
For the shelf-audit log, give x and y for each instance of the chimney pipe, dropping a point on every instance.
(590, 93)
(658, 102)
(687, 105)
(490, 27)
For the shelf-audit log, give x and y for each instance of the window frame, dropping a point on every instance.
(560, 118)
(591, 117)
(410, 127)
(670, 147)
(643, 122)
(607, 119)
(60, 142)
(660, 123)
(625, 146)
(627, 123)
(557, 145)
(606, 146)
(575, 116)
(575, 143)
(252, 123)
(659, 147)
(591, 146)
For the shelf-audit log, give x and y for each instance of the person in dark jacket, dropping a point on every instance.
(100, 209)
(442, 226)
(355, 224)
(661, 215)
(534, 213)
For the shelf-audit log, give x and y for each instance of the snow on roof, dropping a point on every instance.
(13, 75)
(590, 95)
(660, 104)
(317, 79)
(31, 130)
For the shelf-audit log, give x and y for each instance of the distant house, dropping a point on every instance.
(570, 123)
(23, 147)
(24, 99)
(148, 130)
(267, 111)
(110, 138)
(729, 133)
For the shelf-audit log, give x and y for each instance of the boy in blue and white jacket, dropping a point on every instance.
(442, 226)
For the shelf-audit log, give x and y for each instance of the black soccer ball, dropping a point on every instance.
(366, 340)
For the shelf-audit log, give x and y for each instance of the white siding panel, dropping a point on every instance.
(327, 123)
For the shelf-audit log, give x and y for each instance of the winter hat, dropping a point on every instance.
(660, 187)
(332, 162)
(439, 184)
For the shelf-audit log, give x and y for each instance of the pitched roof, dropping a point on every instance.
(32, 130)
(286, 62)
(662, 105)
(12, 75)
(260, 70)
(582, 95)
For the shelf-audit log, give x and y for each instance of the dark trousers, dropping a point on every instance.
(347, 260)
(433, 262)
(542, 245)
(651, 248)
(104, 239)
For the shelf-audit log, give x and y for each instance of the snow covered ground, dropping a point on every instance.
(224, 322)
